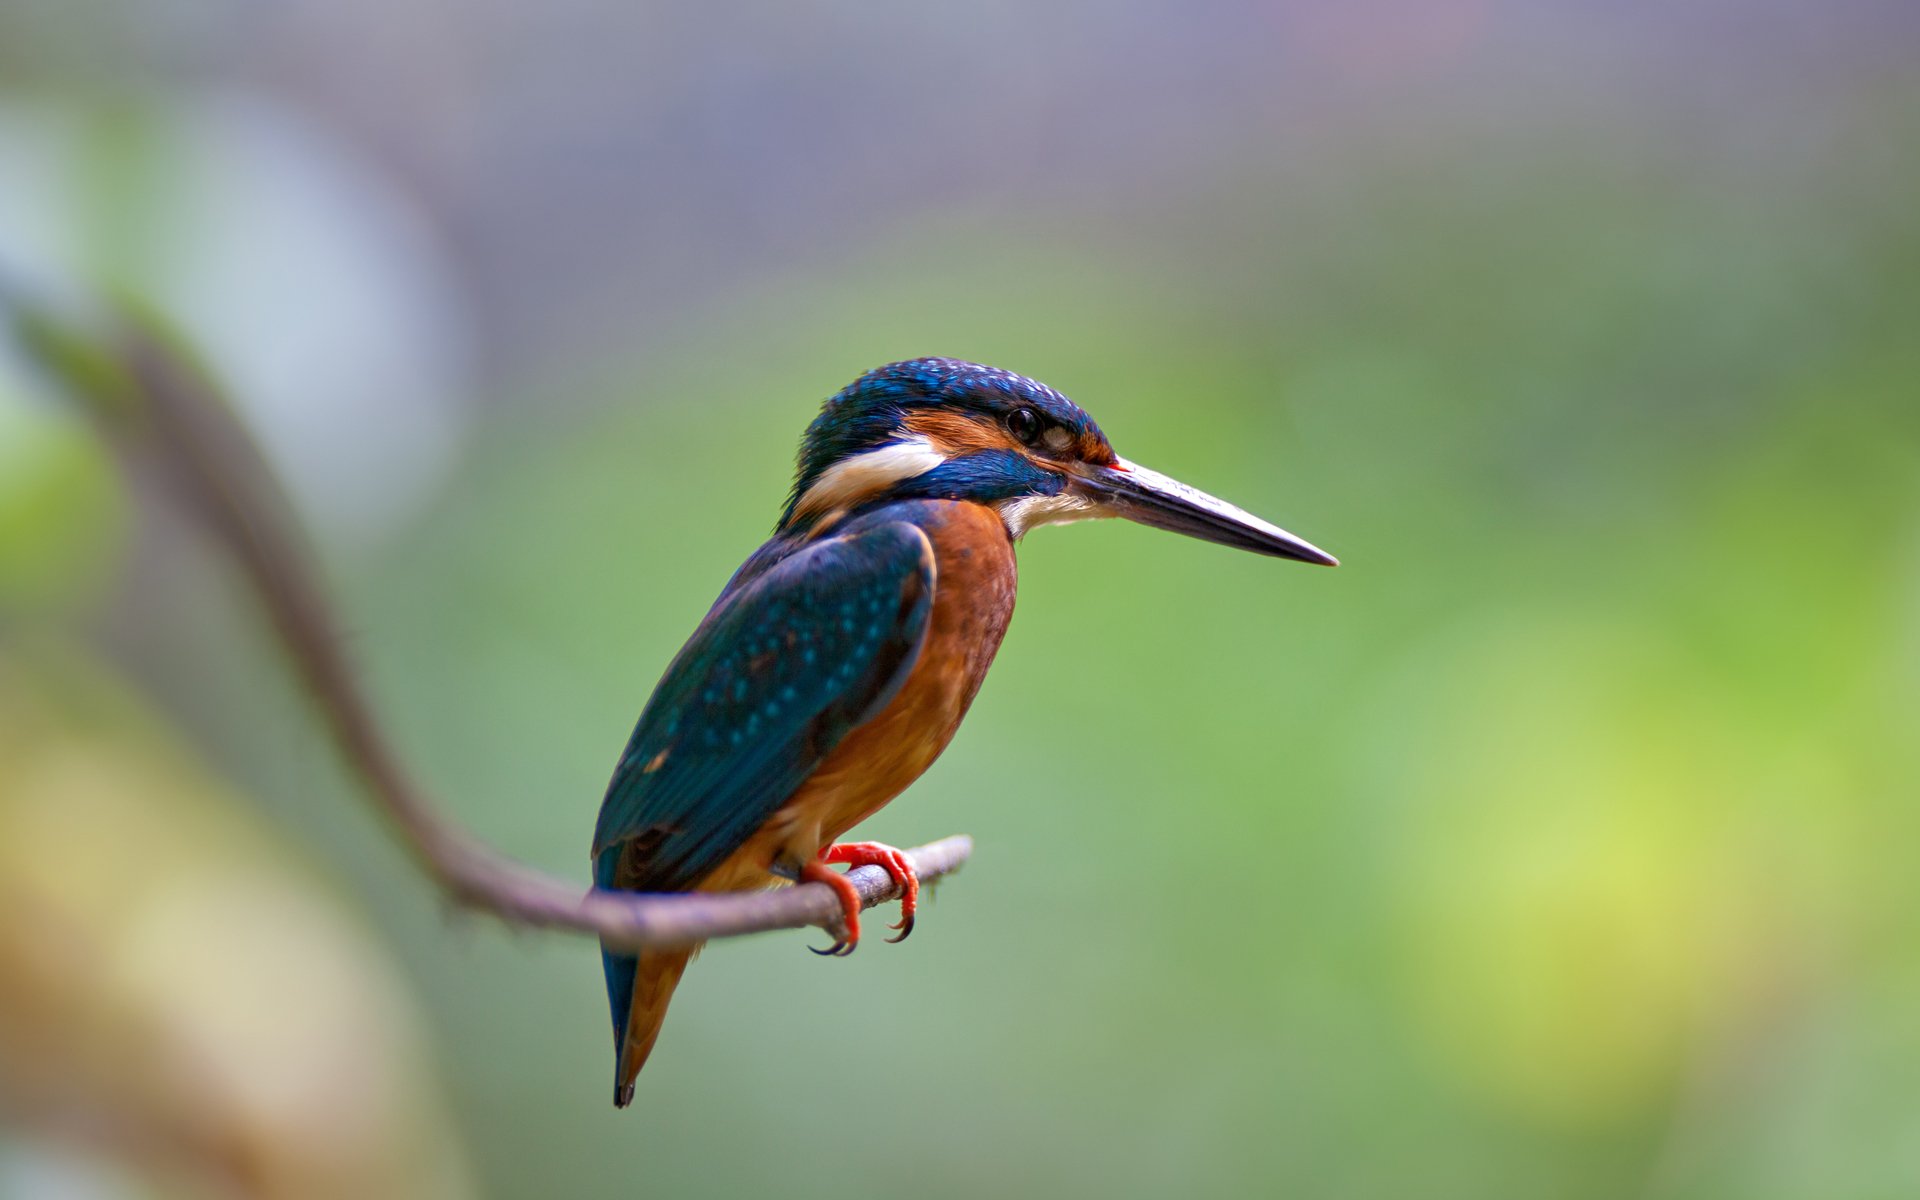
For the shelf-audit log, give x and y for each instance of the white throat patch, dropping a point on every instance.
(848, 482)
(1031, 512)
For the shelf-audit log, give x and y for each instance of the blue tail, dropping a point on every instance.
(620, 968)
(639, 988)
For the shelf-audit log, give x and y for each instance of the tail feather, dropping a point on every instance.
(652, 979)
(639, 987)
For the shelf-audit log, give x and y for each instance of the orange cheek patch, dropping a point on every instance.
(1095, 449)
(956, 434)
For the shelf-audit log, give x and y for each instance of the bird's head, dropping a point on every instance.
(940, 428)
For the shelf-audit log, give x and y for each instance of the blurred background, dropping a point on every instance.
(1561, 843)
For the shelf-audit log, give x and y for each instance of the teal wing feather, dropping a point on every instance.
(772, 681)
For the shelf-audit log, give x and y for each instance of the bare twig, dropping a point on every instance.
(151, 396)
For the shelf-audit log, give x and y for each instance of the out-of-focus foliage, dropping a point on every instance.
(1559, 843)
(184, 1005)
(59, 508)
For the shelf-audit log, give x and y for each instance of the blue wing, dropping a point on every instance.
(774, 678)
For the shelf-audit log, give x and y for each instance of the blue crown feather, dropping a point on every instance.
(869, 412)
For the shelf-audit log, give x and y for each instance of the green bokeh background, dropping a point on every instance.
(1560, 843)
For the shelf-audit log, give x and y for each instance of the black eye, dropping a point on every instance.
(1024, 425)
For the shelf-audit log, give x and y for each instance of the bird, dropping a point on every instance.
(841, 657)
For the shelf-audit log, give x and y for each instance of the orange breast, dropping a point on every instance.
(973, 597)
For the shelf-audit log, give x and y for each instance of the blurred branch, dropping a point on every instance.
(156, 403)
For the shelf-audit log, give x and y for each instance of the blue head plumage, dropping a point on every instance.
(993, 428)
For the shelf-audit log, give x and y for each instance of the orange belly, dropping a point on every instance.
(974, 583)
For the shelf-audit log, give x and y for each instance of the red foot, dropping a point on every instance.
(874, 854)
(818, 871)
(865, 854)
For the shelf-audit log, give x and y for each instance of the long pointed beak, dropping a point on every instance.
(1150, 498)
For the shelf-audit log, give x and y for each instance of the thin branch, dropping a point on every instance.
(147, 391)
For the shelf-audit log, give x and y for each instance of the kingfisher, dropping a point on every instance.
(839, 660)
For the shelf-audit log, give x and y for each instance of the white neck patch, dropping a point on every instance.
(852, 480)
(1031, 512)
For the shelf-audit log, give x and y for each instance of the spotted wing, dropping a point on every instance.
(772, 681)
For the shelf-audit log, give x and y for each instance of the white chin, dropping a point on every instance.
(1031, 512)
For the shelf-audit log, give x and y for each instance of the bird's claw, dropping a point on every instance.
(862, 854)
(847, 936)
(896, 865)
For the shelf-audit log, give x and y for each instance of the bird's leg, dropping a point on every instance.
(817, 871)
(874, 854)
